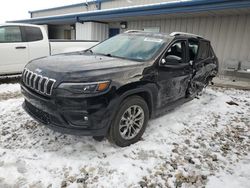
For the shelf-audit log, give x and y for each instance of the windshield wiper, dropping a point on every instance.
(109, 55)
(89, 50)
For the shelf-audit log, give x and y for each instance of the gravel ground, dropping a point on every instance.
(201, 143)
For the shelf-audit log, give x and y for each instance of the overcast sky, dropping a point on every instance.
(18, 9)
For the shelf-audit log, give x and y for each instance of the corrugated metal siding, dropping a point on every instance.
(229, 35)
(82, 31)
(91, 31)
(100, 31)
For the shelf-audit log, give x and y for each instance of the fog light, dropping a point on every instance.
(85, 118)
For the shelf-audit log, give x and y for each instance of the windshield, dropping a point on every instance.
(134, 47)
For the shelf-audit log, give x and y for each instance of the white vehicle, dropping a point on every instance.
(21, 43)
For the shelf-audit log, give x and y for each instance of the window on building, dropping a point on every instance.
(193, 49)
(204, 50)
(33, 34)
(177, 50)
(10, 34)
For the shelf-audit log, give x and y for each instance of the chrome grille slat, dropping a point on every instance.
(45, 86)
(39, 83)
(34, 81)
(27, 76)
(24, 73)
(53, 83)
(31, 80)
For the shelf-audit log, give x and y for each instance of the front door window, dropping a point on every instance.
(176, 53)
(10, 34)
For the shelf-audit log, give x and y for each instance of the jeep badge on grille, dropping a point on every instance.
(38, 70)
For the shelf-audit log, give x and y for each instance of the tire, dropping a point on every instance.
(130, 122)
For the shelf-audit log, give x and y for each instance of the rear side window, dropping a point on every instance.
(193, 49)
(10, 34)
(33, 34)
(204, 50)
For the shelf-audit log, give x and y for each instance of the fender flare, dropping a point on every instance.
(150, 89)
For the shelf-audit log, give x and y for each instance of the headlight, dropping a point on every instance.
(92, 87)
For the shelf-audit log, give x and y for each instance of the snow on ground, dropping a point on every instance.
(9, 88)
(203, 142)
(237, 177)
(9, 91)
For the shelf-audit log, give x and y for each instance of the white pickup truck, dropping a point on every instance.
(21, 43)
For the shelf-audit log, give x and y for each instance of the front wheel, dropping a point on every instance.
(130, 122)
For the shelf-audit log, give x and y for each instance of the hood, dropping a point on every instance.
(83, 67)
(76, 62)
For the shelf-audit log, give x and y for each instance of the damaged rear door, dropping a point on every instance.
(202, 64)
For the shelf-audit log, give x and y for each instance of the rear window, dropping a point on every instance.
(33, 34)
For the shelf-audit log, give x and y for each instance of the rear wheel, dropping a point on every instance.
(130, 122)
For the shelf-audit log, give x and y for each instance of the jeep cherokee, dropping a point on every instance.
(115, 87)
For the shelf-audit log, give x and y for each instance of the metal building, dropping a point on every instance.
(225, 22)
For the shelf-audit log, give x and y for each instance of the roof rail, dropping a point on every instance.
(173, 34)
(133, 31)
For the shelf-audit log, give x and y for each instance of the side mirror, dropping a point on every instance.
(163, 61)
(191, 63)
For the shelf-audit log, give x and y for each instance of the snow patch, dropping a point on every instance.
(188, 144)
(9, 88)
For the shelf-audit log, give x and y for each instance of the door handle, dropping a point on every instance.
(20, 47)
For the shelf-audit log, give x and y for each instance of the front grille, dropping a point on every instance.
(39, 83)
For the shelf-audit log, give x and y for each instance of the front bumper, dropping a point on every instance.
(78, 116)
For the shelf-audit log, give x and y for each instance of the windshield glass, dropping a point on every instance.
(127, 46)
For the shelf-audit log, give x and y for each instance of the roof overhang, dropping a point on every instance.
(89, 2)
(167, 8)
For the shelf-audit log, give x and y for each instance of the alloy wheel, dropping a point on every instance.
(131, 122)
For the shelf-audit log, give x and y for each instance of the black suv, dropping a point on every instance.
(113, 88)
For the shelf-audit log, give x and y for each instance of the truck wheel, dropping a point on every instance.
(130, 122)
